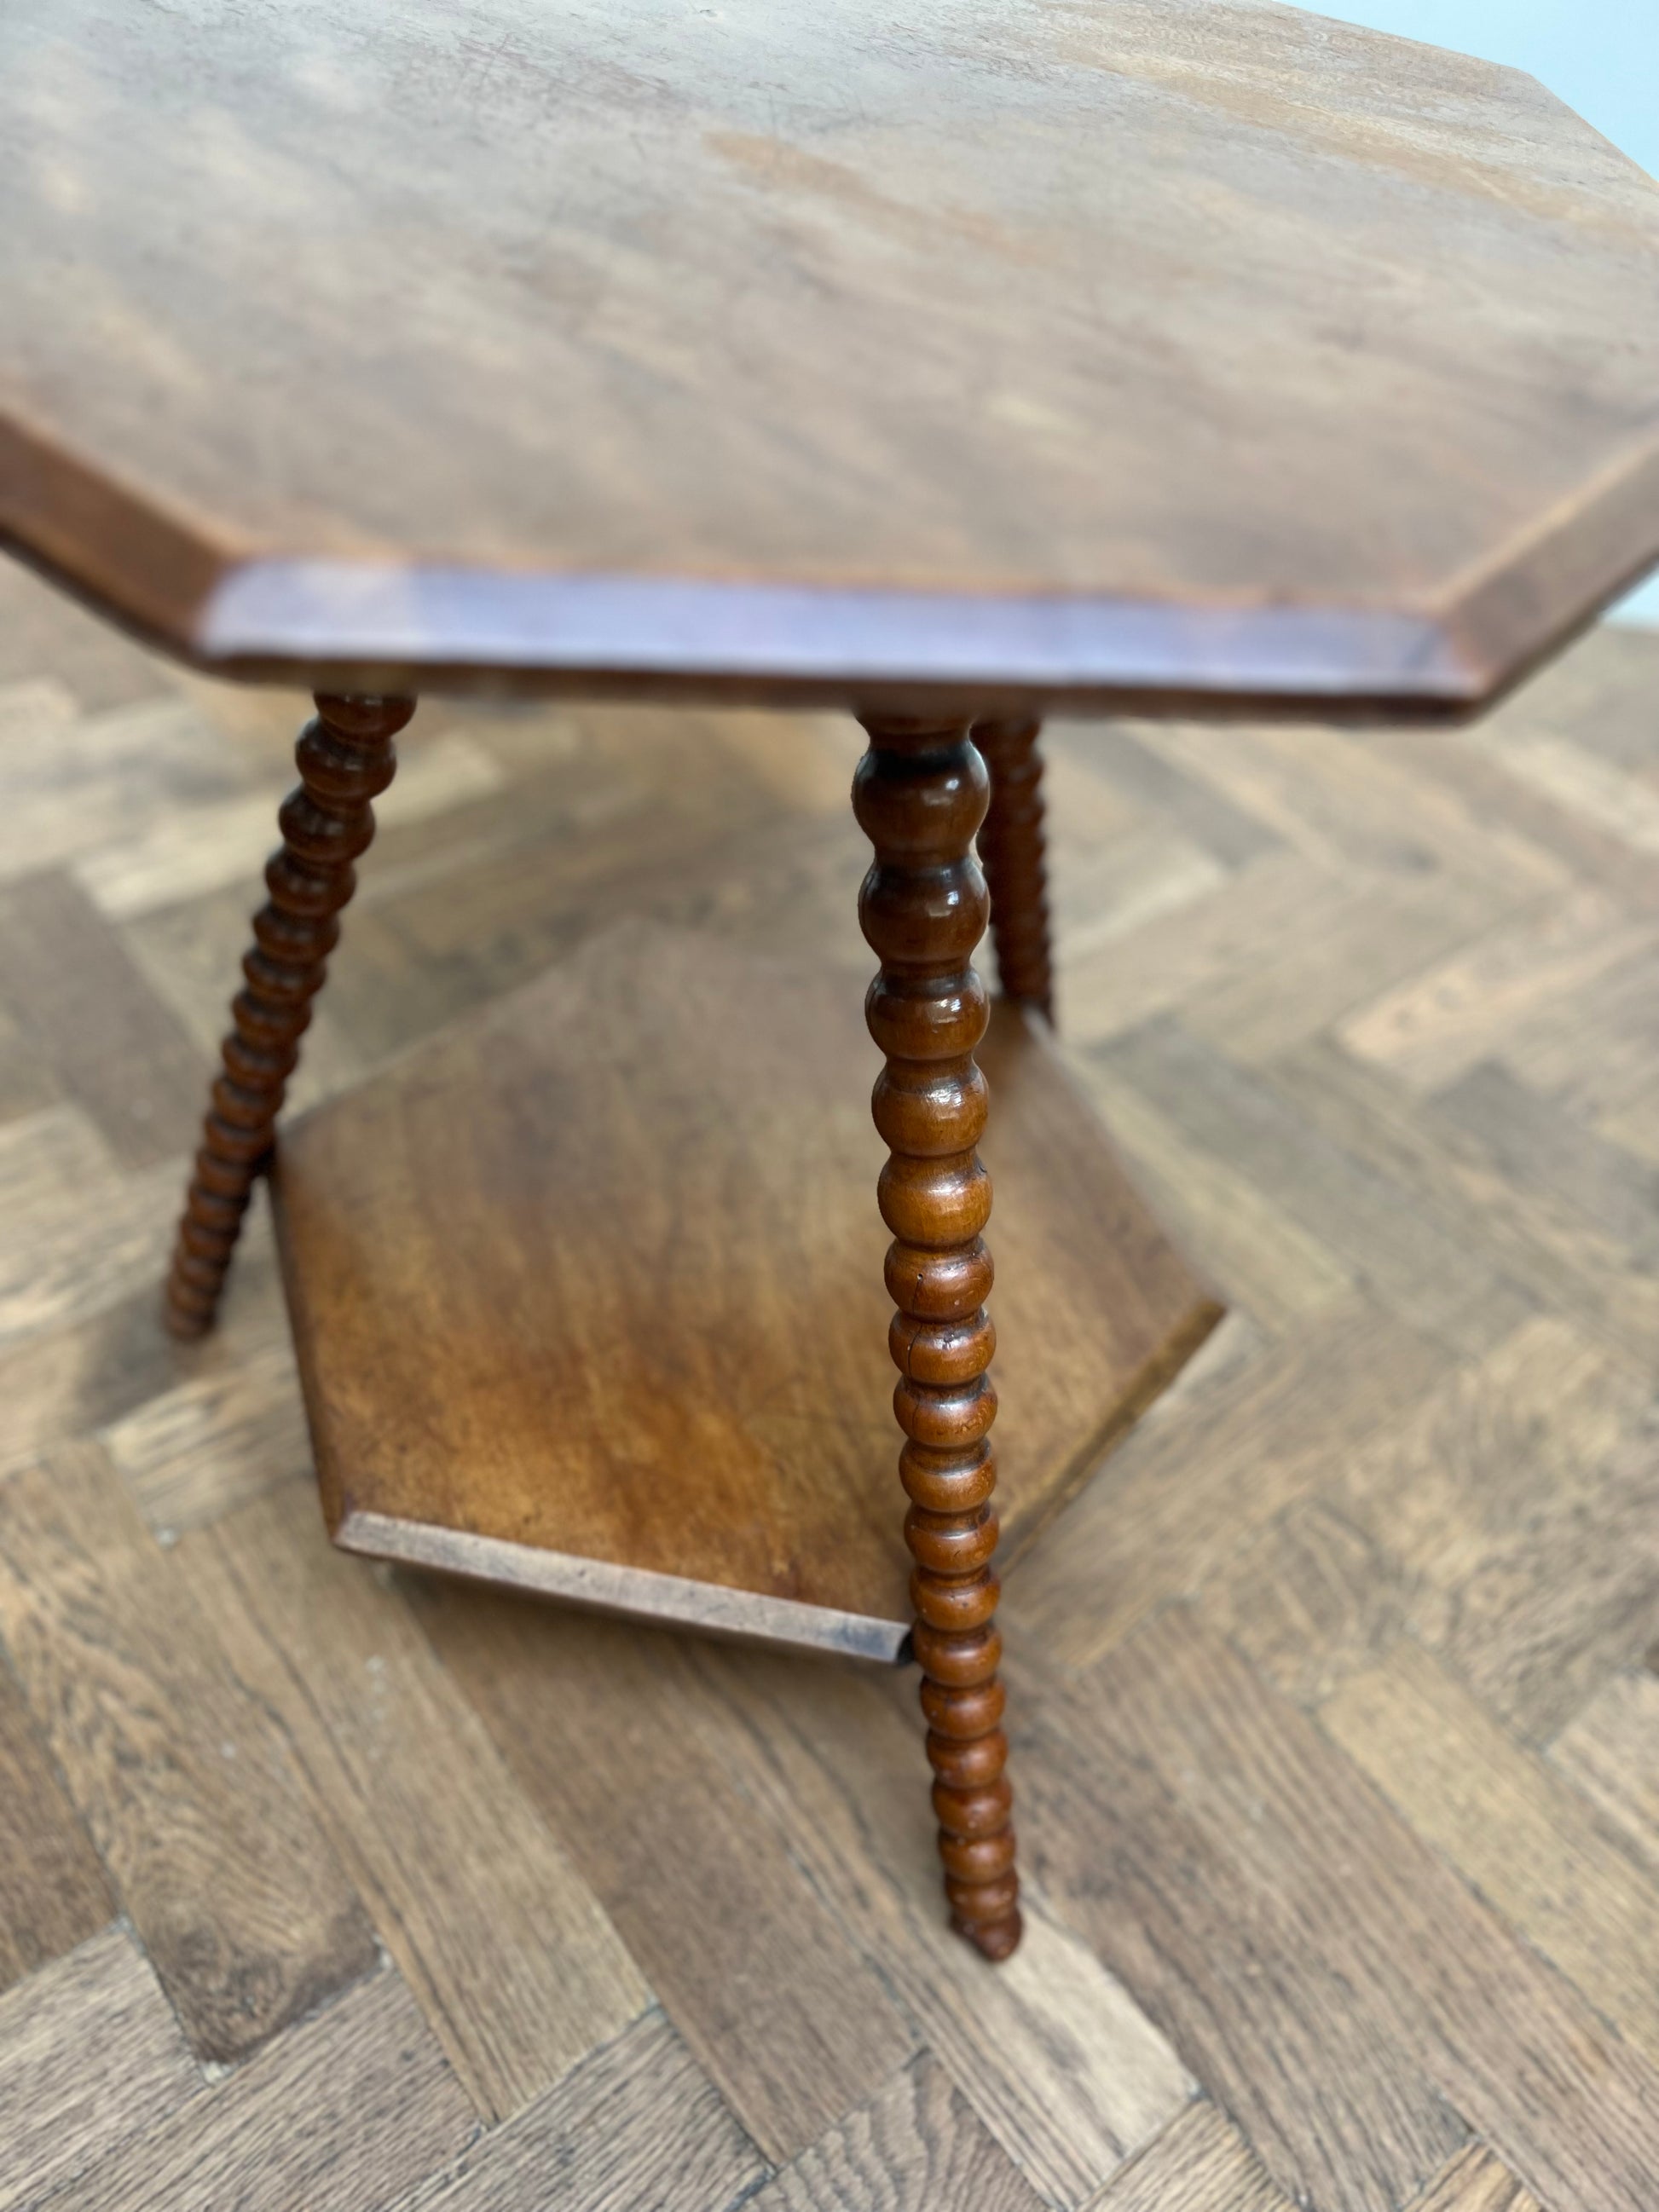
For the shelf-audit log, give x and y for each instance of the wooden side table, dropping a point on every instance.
(1196, 358)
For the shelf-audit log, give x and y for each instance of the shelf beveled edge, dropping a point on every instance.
(638, 1593)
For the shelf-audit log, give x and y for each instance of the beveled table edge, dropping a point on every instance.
(374, 624)
(700, 631)
(638, 1593)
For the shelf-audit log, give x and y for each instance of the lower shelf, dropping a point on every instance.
(586, 1295)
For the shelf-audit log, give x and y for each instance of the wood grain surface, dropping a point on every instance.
(52, 1889)
(1259, 1897)
(1200, 2163)
(1475, 2181)
(87, 1010)
(1061, 2066)
(355, 2104)
(678, 1309)
(916, 2145)
(1333, 1708)
(1611, 1752)
(514, 1963)
(609, 1732)
(60, 2118)
(755, 352)
(185, 1782)
(1522, 1839)
(638, 2123)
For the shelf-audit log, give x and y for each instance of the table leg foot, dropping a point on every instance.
(919, 796)
(1011, 851)
(346, 759)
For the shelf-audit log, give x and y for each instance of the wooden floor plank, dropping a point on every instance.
(1436, 1026)
(187, 1785)
(610, 1733)
(1600, 691)
(27, 1084)
(1597, 1055)
(190, 849)
(1117, 752)
(1483, 782)
(915, 2147)
(1179, 1497)
(95, 1372)
(426, 949)
(345, 2110)
(1551, 1251)
(1623, 805)
(59, 2116)
(52, 1891)
(1511, 1827)
(1381, 933)
(1521, 1493)
(1610, 1752)
(43, 629)
(222, 1434)
(1476, 2181)
(1258, 1258)
(1320, 1968)
(1238, 1973)
(1062, 2067)
(1200, 2163)
(88, 1009)
(1346, 801)
(504, 1945)
(47, 1160)
(1173, 950)
(1121, 885)
(107, 779)
(81, 1245)
(1411, 1262)
(1311, 1599)
(1538, 1147)
(636, 2126)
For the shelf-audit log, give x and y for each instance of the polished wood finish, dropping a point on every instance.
(587, 1293)
(584, 366)
(919, 796)
(1011, 851)
(1333, 1951)
(345, 759)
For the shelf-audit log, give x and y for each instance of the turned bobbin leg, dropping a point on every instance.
(920, 795)
(1011, 854)
(345, 759)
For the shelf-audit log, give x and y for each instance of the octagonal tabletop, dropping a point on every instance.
(1033, 348)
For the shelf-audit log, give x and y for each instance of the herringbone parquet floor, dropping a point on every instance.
(1336, 1738)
